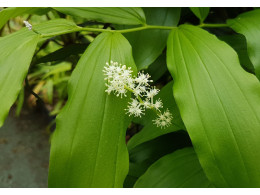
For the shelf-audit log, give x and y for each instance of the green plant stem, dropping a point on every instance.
(144, 27)
(138, 97)
(212, 25)
(78, 29)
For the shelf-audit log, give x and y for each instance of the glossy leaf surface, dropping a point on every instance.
(200, 12)
(220, 105)
(150, 130)
(248, 25)
(238, 43)
(116, 15)
(149, 44)
(16, 52)
(88, 147)
(59, 26)
(144, 155)
(180, 169)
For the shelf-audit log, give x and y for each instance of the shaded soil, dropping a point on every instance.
(24, 150)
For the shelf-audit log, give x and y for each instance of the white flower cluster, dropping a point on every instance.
(117, 76)
(28, 25)
(120, 81)
(163, 120)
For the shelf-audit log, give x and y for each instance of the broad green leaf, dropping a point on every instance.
(57, 26)
(248, 25)
(88, 147)
(220, 106)
(238, 42)
(200, 12)
(116, 15)
(149, 44)
(63, 53)
(12, 12)
(145, 154)
(16, 52)
(150, 130)
(180, 169)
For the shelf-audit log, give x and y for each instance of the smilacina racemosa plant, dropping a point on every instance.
(92, 69)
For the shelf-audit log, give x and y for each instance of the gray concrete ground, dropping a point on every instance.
(24, 151)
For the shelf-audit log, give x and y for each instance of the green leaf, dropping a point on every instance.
(88, 147)
(150, 130)
(16, 52)
(220, 105)
(20, 101)
(116, 15)
(180, 169)
(145, 154)
(45, 71)
(238, 42)
(158, 68)
(63, 53)
(200, 12)
(248, 25)
(55, 69)
(149, 44)
(60, 26)
(57, 108)
(12, 12)
(49, 90)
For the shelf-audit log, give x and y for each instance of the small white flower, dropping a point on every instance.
(137, 92)
(134, 102)
(109, 89)
(158, 104)
(135, 108)
(142, 88)
(153, 92)
(117, 76)
(163, 120)
(28, 25)
(143, 79)
(147, 104)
